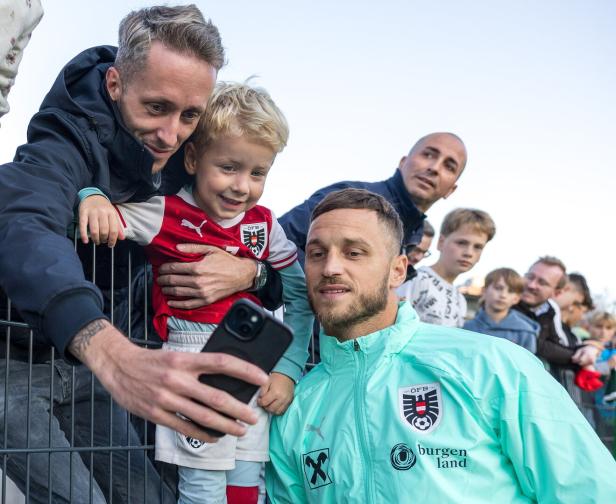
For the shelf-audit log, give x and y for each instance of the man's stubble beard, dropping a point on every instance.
(365, 307)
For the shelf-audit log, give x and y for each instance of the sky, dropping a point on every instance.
(529, 87)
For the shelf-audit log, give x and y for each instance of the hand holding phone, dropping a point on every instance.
(249, 333)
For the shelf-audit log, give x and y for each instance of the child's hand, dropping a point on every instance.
(612, 362)
(277, 394)
(97, 213)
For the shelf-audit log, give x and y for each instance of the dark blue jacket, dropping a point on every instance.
(76, 140)
(297, 220)
(515, 327)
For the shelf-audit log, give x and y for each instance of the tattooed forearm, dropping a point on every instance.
(82, 339)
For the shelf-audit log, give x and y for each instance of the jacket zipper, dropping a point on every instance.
(360, 395)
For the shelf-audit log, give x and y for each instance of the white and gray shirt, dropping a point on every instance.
(435, 300)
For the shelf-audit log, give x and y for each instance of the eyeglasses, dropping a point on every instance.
(415, 250)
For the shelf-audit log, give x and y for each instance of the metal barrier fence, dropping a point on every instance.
(63, 437)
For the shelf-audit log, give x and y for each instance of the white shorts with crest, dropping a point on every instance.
(175, 448)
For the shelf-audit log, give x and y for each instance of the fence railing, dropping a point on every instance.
(63, 439)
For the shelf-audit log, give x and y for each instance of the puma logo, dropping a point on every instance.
(316, 428)
(188, 224)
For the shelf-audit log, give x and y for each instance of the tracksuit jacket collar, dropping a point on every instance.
(337, 356)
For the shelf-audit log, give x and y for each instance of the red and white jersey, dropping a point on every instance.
(163, 222)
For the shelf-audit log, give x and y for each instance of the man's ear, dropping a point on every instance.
(401, 161)
(190, 158)
(451, 191)
(113, 82)
(397, 271)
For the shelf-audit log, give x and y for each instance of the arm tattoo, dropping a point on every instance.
(81, 340)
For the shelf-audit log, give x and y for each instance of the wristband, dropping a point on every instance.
(91, 191)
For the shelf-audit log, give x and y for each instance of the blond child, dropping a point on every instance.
(602, 328)
(230, 155)
(464, 234)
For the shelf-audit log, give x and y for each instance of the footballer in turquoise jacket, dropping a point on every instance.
(421, 413)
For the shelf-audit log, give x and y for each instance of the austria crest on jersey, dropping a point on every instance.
(254, 236)
(421, 406)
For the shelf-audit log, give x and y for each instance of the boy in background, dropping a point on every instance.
(464, 234)
(502, 290)
(229, 155)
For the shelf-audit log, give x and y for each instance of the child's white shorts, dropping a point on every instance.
(175, 448)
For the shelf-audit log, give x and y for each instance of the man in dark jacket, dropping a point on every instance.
(428, 173)
(112, 120)
(544, 281)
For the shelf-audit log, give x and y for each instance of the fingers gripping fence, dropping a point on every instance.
(62, 437)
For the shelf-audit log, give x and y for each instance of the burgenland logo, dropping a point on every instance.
(254, 236)
(446, 458)
(402, 457)
(316, 466)
(420, 406)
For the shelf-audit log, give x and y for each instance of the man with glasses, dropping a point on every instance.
(416, 253)
(545, 280)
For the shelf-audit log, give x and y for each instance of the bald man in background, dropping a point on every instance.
(429, 172)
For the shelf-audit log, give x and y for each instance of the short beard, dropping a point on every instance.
(367, 306)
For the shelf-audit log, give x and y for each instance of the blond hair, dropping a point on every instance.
(182, 28)
(603, 318)
(478, 220)
(242, 110)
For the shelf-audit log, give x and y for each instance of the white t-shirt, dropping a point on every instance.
(435, 300)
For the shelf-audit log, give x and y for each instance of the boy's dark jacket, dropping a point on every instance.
(76, 140)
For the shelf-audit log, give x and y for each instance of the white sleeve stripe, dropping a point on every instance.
(284, 263)
(143, 220)
(284, 259)
(280, 247)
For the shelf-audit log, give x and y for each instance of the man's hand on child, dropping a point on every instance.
(97, 214)
(277, 394)
(216, 276)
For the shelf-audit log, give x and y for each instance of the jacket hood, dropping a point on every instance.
(77, 88)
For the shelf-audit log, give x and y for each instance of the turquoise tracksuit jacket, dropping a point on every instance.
(421, 413)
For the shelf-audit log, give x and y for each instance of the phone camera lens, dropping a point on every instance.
(241, 313)
(245, 329)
